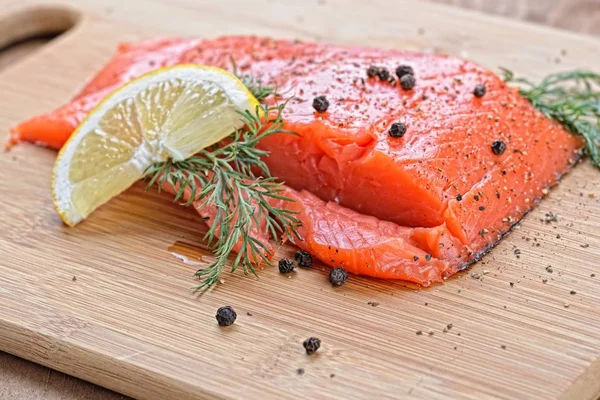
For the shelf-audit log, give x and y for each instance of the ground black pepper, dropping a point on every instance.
(303, 258)
(498, 147)
(550, 217)
(320, 104)
(408, 82)
(416, 258)
(226, 316)
(479, 91)
(286, 265)
(338, 276)
(372, 71)
(572, 292)
(459, 197)
(397, 130)
(428, 257)
(481, 208)
(300, 371)
(311, 345)
(404, 70)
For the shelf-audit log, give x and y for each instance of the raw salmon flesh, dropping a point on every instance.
(419, 207)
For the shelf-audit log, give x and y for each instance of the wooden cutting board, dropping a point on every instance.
(109, 301)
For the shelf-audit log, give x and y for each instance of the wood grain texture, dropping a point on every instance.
(13, 54)
(21, 379)
(128, 323)
(575, 15)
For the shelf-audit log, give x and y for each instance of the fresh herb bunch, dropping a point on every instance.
(254, 85)
(572, 99)
(223, 176)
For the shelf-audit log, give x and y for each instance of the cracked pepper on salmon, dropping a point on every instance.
(416, 204)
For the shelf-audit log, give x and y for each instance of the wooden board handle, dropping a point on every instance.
(36, 21)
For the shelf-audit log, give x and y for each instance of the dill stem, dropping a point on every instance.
(571, 98)
(221, 177)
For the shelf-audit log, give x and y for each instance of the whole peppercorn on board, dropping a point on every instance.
(126, 321)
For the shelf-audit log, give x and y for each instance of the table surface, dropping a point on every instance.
(21, 379)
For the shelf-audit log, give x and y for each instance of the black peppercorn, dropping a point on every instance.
(303, 258)
(383, 74)
(286, 265)
(397, 130)
(408, 82)
(479, 91)
(311, 345)
(320, 104)
(226, 316)
(459, 197)
(498, 147)
(372, 71)
(404, 70)
(338, 276)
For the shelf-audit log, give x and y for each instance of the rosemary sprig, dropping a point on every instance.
(254, 85)
(223, 177)
(571, 98)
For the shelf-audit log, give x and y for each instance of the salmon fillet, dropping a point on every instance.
(341, 237)
(365, 245)
(441, 190)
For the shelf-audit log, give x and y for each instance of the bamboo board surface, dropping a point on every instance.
(129, 323)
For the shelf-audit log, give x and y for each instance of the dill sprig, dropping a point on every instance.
(571, 98)
(223, 177)
(254, 85)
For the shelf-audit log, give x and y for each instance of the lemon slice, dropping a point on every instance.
(170, 113)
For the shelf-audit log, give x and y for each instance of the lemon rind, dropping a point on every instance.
(62, 188)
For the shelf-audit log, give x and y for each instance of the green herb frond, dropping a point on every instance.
(254, 85)
(223, 177)
(571, 98)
